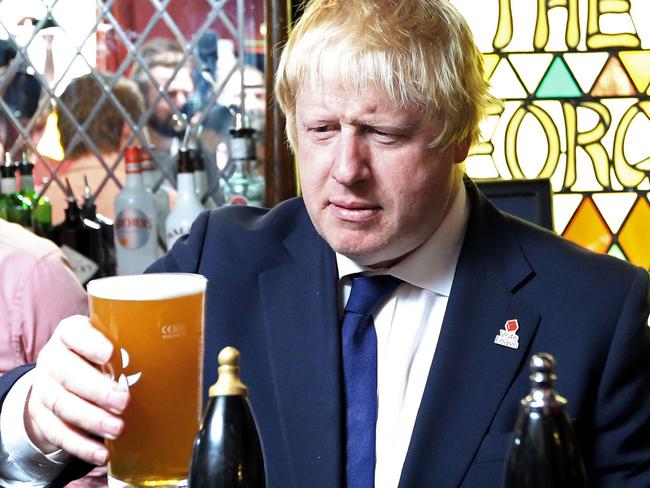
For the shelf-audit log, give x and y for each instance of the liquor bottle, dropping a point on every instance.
(201, 179)
(151, 178)
(105, 253)
(80, 241)
(227, 451)
(188, 206)
(544, 452)
(136, 236)
(7, 185)
(20, 206)
(37, 208)
(10, 200)
(244, 186)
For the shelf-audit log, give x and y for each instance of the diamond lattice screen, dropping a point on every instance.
(57, 41)
(574, 77)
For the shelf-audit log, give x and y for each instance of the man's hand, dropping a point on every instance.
(71, 398)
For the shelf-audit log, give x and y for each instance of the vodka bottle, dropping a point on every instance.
(227, 450)
(244, 186)
(151, 178)
(188, 206)
(136, 239)
(544, 452)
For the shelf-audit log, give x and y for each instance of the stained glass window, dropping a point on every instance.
(574, 77)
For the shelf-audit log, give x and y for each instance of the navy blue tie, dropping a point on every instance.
(360, 375)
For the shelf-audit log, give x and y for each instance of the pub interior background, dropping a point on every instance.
(574, 78)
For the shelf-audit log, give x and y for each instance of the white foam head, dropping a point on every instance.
(151, 286)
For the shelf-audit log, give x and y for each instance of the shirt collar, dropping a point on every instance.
(432, 265)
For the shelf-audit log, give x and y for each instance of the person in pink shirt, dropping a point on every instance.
(37, 290)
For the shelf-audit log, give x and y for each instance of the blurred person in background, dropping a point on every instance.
(22, 95)
(166, 130)
(107, 130)
(254, 105)
(161, 57)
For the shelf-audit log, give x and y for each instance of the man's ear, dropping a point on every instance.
(124, 136)
(461, 150)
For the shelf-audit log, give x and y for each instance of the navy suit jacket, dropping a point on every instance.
(272, 293)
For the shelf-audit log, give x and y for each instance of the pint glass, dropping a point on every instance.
(155, 322)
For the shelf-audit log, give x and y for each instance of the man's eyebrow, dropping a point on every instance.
(388, 124)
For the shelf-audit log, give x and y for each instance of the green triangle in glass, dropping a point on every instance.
(617, 252)
(558, 82)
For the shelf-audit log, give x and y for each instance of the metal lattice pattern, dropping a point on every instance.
(132, 43)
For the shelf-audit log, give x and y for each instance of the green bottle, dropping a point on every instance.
(3, 198)
(37, 207)
(9, 198)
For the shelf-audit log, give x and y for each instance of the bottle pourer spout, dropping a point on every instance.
(69, 194)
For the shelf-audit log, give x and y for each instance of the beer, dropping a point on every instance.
(155, 322)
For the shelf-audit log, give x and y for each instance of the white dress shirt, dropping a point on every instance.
(408, 326)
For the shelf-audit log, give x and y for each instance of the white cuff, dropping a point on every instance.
(22, 464)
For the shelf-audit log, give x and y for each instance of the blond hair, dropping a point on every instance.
(417, 52)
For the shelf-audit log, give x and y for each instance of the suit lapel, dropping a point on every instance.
(470, 374)
(300, 306)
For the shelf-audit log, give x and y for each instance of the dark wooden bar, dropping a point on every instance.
(280, 172)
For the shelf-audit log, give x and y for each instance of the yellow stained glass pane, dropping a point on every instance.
(634, 237)
(586, 67)
(505, 83)
(637, 64)
(614, 207)
(481, 166)
(614, 81)
(564, 206)
(531, 68)
(490, 62)
(588, 229)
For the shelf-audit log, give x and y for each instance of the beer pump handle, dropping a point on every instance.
(544, 451)
(233, 457)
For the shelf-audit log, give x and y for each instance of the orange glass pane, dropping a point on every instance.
(588, 229)
(634, 237)
(614, 81)
(489, 63)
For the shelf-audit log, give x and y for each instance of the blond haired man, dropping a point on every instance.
(383, 99)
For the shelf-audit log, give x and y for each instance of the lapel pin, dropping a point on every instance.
(508, 335)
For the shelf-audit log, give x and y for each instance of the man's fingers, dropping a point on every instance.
(78, 335)
(79, 413)
(70, 439)
(80, 378)
(68, 387)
